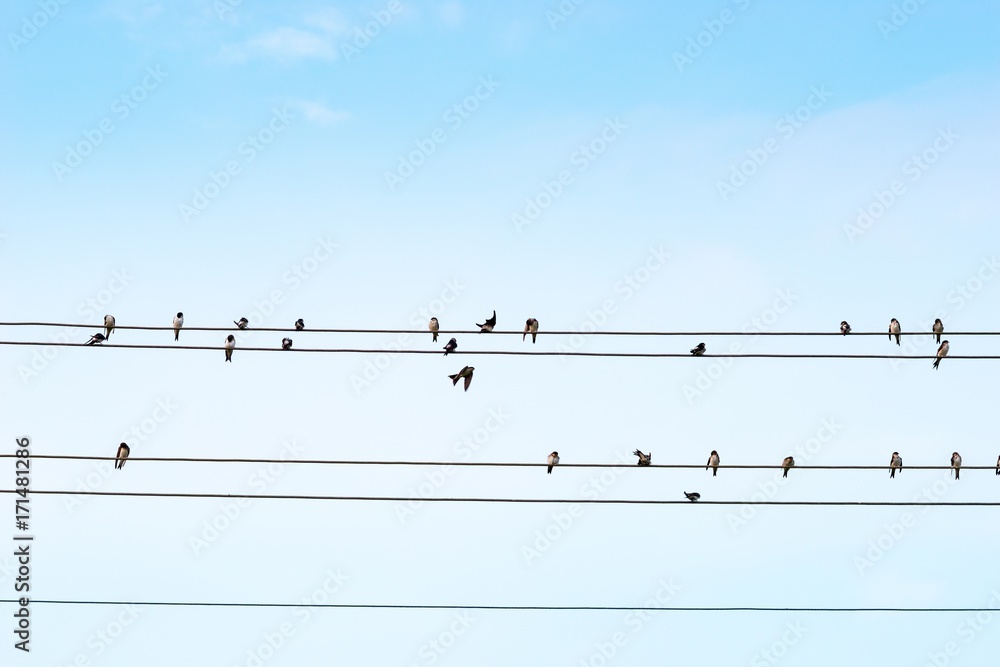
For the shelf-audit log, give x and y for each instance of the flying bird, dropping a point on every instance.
(644, 459)
(938, 329)
(530, 327)
(178, 323)
(96, 339)
(120, 457)
(466, 373)
(698, 351)
(242, 324)
(896, 462)
(299, 324)
(450, 346)
(434, 327)
(845, 328)
(109, 325)
(230, 346)
(894, 329)
(553, 460)
(789, 462)
(694, 496)
(286, 343)
(488, 325)
(941, 353)
(713, 462)
(956, 463)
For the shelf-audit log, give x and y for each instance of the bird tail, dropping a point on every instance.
(936, 362)
(786, 473)
(523, 336)
(550, 470)
(454, 379)
(177, 335)
(435, 338)
(892, 474)
(715, 471)
(534, 335)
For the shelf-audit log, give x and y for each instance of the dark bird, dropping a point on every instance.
(694, 496)
(998, 465)
(941, 353)
(488, 325)
(96, 339)
(956, 463)
(178, 323)
(230, 346)
(938, 329)
(242, 324)
(466, 373)
(109, 325)
(644, 459)
(299, 324)
(895, 463)
(123, 451)
(450, 346)
(713, 462)
(286, 343)
(698, 351)
(434, 327)
(553, 460)
(789, 462)
(894, 329)
(845, 328)
(530, 327)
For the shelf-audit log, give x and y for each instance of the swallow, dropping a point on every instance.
(553, 460)
(109, 326)
(299, 324)
(450, 347)
(286, 343)
(938, 329)
(644, 459)
(941, 353)
(698, 351)
(530, 327)
(434, 327)
(845, 328)
(96, 339)
(488, 325)
(713, 462)
(230, 346)
(789, 462)
(693, 497)
(956, 463)
(894, 329)
(178, 323)
(242, 324)
(896, 462)
(120, 457)
(466, 373)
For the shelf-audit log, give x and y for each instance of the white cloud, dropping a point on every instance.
(320, 113)
(291, 43)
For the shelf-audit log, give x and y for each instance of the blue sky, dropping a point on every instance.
(725, 166)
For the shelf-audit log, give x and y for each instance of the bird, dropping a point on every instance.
(713, 462)
(451, 346)
(120, 457)
(286, 343)
(896, 462)
(693, 496)
(178, 323)
(434, 327)
(789, 462)
(938, 329)
(698, 351)
(96, 339)
(998, 465)
(466, 373)
(553, 460)
(956, 463)
(242, 324)
(230, 346)
(941, 353)
(845, 328)
(299, 324)
(644, 459)
(530, 327)
(109, 325)
(894, 329)
(488, 325)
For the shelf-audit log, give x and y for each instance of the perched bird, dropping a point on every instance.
(242, 324)
(109, 325)
(713, 462)
(692, 496)
(894, 329)
(451, 346)
(553, 460)
(698, 351)
(123, 451)
(466, 373)
(644, 459)
(286, 343)
(956, 463)
(941, 353)
(488, 325)
(434, 327)
(789, 462)
(530, 327)
(178, 323)
(96, 339)
(896, 462)
(845, 328)
(938, 329)
(230, 346)
(299, 324)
